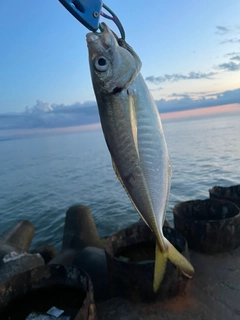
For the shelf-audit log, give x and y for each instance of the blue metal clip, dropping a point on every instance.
(85, 11)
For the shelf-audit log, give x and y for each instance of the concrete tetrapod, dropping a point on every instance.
(17, 238)
(14, 244)
(80, 230)
(82, 247)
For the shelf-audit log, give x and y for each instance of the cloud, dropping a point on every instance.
(156, 89)
(46, 115)
(189, 94)
(180, 95)
(229, 66)
(39, 107)
(235, 58)
(230, 54)
(222, 30)
(231, 40)
(233, 34)
(188, 103)
(233, 64)
(177, 77)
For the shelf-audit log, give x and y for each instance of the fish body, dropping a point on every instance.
(133, 132)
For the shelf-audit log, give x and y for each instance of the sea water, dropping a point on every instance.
(41, 177)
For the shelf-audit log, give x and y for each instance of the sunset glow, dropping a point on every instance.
(231, 108)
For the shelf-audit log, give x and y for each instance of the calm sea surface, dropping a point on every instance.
(41, 177)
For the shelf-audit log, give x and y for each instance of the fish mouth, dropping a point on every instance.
(94, 36)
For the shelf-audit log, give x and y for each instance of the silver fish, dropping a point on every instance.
(133, 132)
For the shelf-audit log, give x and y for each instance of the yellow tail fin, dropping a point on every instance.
(179, 260)
(161, 261)
(159, 268)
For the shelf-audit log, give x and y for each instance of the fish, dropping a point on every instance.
(134, 136)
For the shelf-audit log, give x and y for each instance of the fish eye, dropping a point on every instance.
(101, 63)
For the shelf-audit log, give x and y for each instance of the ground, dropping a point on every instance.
(213, 293)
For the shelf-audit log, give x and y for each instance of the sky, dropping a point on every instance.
(190, 51)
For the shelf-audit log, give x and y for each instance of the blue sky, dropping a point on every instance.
(190, 52)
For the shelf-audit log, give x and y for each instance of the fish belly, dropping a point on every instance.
(133, 133)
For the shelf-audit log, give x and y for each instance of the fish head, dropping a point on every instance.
(113, 66)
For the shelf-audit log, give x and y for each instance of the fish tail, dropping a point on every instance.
(175, 257)
(179, 260)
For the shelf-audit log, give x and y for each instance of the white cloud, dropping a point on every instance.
(39, 107)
